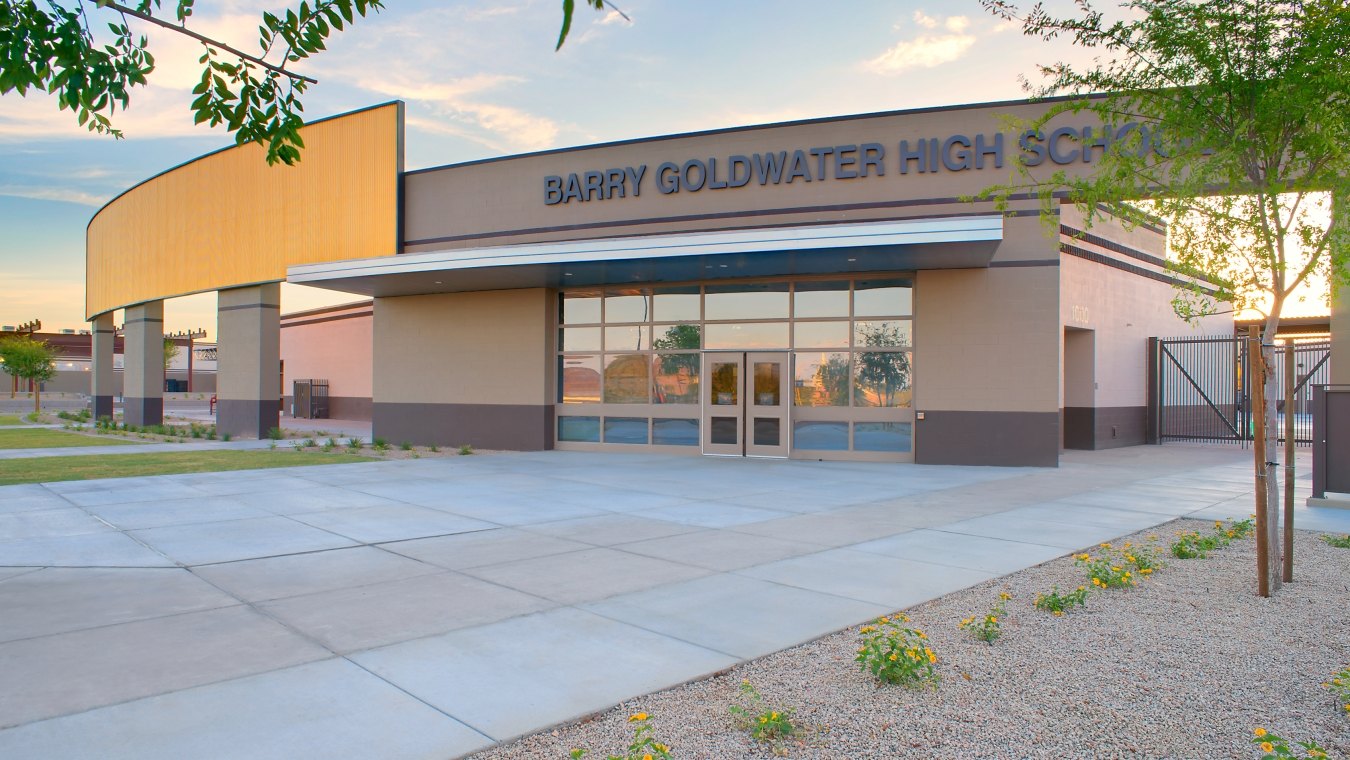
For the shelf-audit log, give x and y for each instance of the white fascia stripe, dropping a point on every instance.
(967, 229)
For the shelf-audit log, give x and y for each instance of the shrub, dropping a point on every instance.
(896, 654)
(433, 448)
(1275, 747)
(989, 627)
(764, 722)
(354, 444)
(1058, 603)
(1340, 542)
(379, 443)
(465, 450)
(1107, 570)
(224, 436)
(644, 745)
(1193, 544)
(275, 434)
(1339, 686)
(310, 443)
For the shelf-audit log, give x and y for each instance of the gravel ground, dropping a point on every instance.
(1183, 666)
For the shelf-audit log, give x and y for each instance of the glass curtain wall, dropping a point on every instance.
(630, 359)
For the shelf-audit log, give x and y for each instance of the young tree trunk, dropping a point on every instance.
(37, 398)
(1290, 431)
(1269, 410)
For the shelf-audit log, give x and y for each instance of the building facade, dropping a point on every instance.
(821, 289)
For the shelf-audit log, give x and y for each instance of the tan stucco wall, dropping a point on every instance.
(491, 347)
(338, 351)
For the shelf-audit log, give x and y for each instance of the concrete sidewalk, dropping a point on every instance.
(428, 608)
(138, 448)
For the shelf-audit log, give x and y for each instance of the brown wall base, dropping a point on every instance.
(1079, 427)
(142, 411)
(102, 407)
(342, 407)
(485, 426)
(243, 418)
(1009, 439)
(1104, 427)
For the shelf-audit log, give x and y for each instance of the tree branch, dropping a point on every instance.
(203, 39)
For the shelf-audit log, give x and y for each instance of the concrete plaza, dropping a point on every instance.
(429, 608)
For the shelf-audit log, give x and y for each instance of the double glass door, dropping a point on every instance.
(746, 401)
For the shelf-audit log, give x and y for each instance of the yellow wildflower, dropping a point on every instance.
(637, 716)
(893, 657)
(920, 634)
(1267, 747)
(1219, 524)
(763, 719)
(867, 629)
(1059, 613)
(903, 617)
(1082, 588)
(773, 716)
(1260, 732)
(647, 756)
(1105, 545)
(883, 620)
(932, 658)
(993, 619)
(659, 747)
(1005, 596)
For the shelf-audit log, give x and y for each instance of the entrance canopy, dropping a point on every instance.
(959, 242)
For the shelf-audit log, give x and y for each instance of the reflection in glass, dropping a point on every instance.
(581, 308)
(582, 429)
(747, 335)
(821, 379)
(820, 436)
(580, 379)
(675, 378)
(723, 430)
(768, 376)
(675, 432)
(626, 430)
(883, 436)
(580, 339)
(820, 299)
(626, 306)
(820, 335)
(768, 300)
(766, 431)
(883, 298)
(883, 334)
(627, 338)
(883, 378)
(677, 336)
(626, 379)
(676, 304)
(726, 384)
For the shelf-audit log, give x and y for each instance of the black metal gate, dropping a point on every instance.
(1200, 389)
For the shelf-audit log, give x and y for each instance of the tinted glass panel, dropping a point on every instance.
(883, 334)
(581, 307)
(820, 299)
(820, 436)
(581, 338)
(629, 338)
(726, 385)
(677, 336)
(675, 378)
(627, 306)
(820, 335)
(751, 301)
(821, 379)
(723, 430)
(883, 298)
(580, 379)
(768, 384)
(676, 304)
(626, 379)
(581, 429)
(882, 436)
(747, 335)
(675, 432)
(883, 379)
(626, 430)
(766, 431)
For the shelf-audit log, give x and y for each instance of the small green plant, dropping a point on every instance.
(329, 444)
(1275, 747)
(1340, 542)
(1193, 544)
(1057, 603)
(433, 448)
(1107, 570)
(1339, 686)
(379, 443)
(643, 747)
(989, 627)
(275, 434)
(33, 417)
(354, 444)
(297, 445)
(405, 446)
(765, 723)
(465, 450)
(310, 443)
(225, 436)
(896, 654)
(272, 445)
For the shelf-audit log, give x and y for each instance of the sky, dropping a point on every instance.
(481, 79)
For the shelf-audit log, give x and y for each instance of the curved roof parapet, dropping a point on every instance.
(228, 219)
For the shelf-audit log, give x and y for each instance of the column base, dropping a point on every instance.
(102, 407)
(143, 411)
(244, 418)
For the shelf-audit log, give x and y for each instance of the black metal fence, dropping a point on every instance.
(1200, 389)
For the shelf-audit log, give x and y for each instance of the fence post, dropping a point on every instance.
(1259, 451)
(1153, 424)
(1290, 433)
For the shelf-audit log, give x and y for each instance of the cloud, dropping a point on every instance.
(926, 50)
(64, 194)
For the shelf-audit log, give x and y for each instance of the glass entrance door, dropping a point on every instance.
(746, 403)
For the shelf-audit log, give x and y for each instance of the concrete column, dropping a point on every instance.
(102, 387)
(143, 364)
(248, 356)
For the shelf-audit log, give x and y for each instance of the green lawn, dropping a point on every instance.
(47, 438)
(11, 419)
(94, 466)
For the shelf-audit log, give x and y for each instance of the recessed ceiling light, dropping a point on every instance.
(438, 282)
(567, 274)
(852, 259)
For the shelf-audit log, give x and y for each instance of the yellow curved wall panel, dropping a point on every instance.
(228, 219)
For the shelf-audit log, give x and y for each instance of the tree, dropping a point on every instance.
(881, 375)
(171, 351)
(52, 47)
(29, 359)
(1242, 141)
